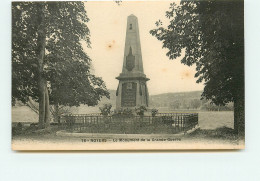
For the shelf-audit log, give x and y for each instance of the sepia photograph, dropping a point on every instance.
(127, 75)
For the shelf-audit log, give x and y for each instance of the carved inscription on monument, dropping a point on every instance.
(129, 94)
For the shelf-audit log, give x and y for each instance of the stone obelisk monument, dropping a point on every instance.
(132, 89)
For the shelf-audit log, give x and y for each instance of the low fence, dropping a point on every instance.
(161, 123)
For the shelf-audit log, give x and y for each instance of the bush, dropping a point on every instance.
(140, 111)
(105, 109)
(154, 112)
(16, 130)
(124, 112)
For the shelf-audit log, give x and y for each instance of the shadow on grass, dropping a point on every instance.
(222, 133)
(33, 131)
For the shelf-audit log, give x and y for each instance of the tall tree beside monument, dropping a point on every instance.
(132, 90)
(212, 35)
(48, 61)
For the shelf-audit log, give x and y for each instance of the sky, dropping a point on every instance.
(108, 29)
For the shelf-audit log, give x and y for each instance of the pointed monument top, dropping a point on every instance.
(132, 15)
(132, 62)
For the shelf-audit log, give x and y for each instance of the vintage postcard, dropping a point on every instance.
(128, 75)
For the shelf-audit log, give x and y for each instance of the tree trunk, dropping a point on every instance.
(239, 116)
(47, 108)
(41, 104)
(41, 81)
(42, 99)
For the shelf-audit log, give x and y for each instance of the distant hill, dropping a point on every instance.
(186, 95)
(168, 99)
(185, 101)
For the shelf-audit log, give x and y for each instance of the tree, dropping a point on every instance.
(48, 61)
(212, 35)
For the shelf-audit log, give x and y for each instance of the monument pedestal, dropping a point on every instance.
(132, 92)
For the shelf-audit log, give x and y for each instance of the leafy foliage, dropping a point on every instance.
(66, 67)
(123, 112)
(140, 110)
(211, 33)
(154, 112)
(105, 109)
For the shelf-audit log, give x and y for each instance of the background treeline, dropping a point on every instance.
(186, 101)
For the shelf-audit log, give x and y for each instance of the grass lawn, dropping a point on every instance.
(215, 119)
(23, 114)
